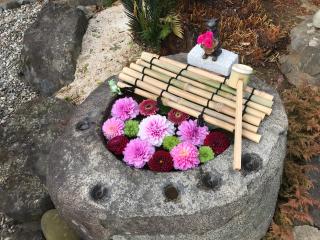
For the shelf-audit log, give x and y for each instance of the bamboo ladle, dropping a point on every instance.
(239, 78)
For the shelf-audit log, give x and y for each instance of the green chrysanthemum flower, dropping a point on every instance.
(170, 142)
(205, 154)
(131, 128)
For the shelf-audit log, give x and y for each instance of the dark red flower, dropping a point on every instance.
(218, 141)
(161, 161)
(177, 117)
(117, 144)
(148, 107)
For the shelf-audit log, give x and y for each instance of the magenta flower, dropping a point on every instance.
(206, 39)
(185, 156)
(190, 132)
(200, 39)
(177, 117)
(112, 127)
(148, 107)
(155, 128)
(137, 153)
(208, 42)
(125, 108)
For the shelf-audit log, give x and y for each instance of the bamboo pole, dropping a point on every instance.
(211, 120)
(205, 76)
(156, 89)
(207, 90)
(197, 93)
(238, 128)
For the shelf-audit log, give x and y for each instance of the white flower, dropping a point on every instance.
(155, 128)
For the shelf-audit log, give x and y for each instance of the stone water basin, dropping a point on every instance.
(102, 198)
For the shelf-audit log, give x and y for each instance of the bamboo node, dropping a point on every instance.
(186, 86)
(219, 106)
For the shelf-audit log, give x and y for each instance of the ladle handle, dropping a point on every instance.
(238, 127)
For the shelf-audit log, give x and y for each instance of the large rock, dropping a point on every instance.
(306, 233)
(105, 199)
(8, 4)
(302, 65)
(51, 47)
(316, 19)
(80, 2)
(25, 142)
(315, 191)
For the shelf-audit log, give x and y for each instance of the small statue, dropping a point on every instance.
(210, 41)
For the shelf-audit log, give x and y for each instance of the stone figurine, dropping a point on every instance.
(213, 26)
(210, 41)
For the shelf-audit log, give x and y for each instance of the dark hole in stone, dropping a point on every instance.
(98, 192)
(211, 180)
(251, 162)
(171, 193)
(83, 125)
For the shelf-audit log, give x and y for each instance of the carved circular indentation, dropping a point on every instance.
(211, 180)
(171, 192)
(251, 162)
(98, 192)
(83, 125)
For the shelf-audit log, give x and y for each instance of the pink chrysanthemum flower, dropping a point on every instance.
(185, 156)
(112, 127)
(137, 153)
(189, 131)
(155, 128)
(125, 108)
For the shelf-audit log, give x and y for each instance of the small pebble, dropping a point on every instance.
(311, 31)
(313, 43)
(310, 24)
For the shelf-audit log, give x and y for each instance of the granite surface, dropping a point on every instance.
(105, 199)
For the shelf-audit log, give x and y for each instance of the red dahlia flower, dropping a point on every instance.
(177, 117)
(218, 141)
(148, 107)
(117, 144)
(161, 161)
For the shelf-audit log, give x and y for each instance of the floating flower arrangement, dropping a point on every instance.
(146, 135)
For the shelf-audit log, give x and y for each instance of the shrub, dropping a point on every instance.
(302, 106)
(151, 21)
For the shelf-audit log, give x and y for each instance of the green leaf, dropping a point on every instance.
(166, 30)
(164, 109)
(146, 20)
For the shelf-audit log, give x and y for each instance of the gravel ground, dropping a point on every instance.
(13, 91)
